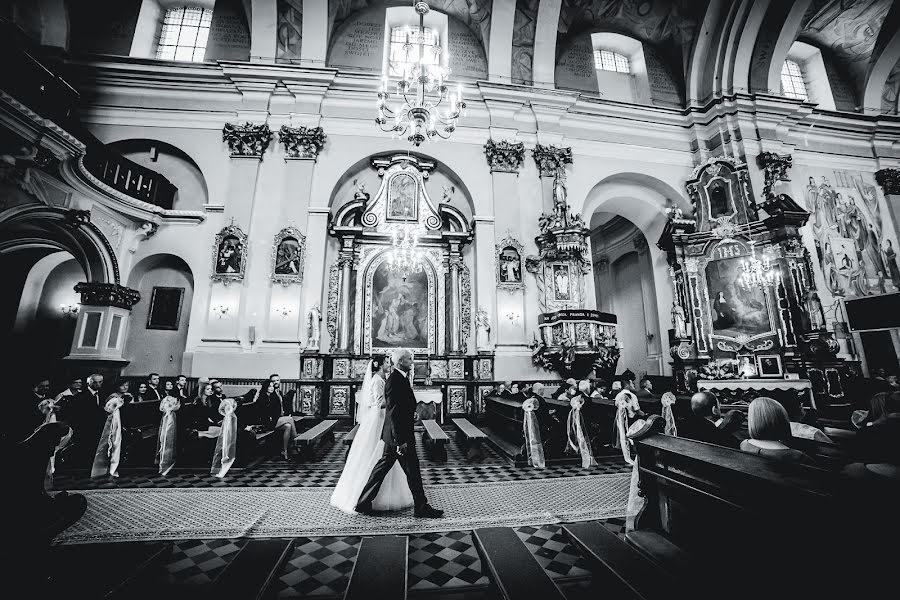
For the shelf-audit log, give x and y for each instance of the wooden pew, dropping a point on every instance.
(380, 570)
(435, 441)
(252, 570)
(140, 430)
(308, 440)
(742, 515)
(512, 568)
(619, 570)
(348, 439)
(469, 437)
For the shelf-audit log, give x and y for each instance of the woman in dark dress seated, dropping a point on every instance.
(275, 415)
(770, 428)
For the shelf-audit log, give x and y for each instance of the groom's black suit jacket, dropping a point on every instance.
(400, 409)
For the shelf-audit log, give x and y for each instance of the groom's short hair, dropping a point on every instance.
(398, 354)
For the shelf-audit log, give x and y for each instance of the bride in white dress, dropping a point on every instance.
(367, 449)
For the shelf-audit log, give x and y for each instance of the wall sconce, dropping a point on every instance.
(284, 311)
(69, 310)
(513, 317)
(650, 337)
(220, 310)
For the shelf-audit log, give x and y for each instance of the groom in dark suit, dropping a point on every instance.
(399, 441)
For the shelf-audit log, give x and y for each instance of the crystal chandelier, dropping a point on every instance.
(756, 272)
(406, 258)
(418, 115)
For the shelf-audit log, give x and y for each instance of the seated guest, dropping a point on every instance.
(74, 387)
(567, 391)
(879, 440)
(803, 425)
(514, 389)
(705, 421)
(181, 388)
(601, 391)
(25, 416)
(770, 428)
(275, 411)
(649, 401)
(153, 391)
(646, 390)
(505, 389)
(876, 412)
(168, 388)
(141, 395)
(122, 389)
(218, 389)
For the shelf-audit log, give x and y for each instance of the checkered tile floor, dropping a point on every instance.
(325, 470)
(196, 562)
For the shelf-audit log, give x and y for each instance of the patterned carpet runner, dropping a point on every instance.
(117, 515)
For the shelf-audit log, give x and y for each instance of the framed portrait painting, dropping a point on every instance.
(562, 288)
(229, 255)
(769, 365)
(403, 195)
(288, 254)
(510, 263)
(165, 308)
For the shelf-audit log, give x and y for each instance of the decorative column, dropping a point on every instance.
(246, 144)
(345, 264)
(456, 265)
(101, 328)
(889, 180)
(550, 160)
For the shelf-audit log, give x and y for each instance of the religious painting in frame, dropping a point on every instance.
(400, 313)
(510, 264)
(769, 365)
(403, 196)
(737, 312)
(288, 255)
(165, 308)
(229, 255)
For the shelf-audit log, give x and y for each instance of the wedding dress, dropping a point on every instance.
(366, 450)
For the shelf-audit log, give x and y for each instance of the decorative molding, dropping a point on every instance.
(312, 368)
(504, 156)
(308, 399)
(292, 264)
(247, 139)
(456, 399)
(889, 180)
(505, 243)
(107, 294)
(775, 167)
(302, 142)
(146, 231)
(219, 255)
(550, 160)
(341, 368)
(456, 368)
(339, 400)
(465, 302)
(334, 280)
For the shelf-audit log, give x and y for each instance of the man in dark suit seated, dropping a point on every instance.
(650, 402)
(706, 424)
(153, 390)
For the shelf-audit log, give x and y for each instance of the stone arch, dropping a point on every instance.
(37, 226)
(173, 163)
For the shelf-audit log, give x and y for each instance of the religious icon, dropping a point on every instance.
(769, 365)
(165, 308)
(735, 310)
(509, 264)
(287, 256)
(561, 282)
(402, 196)
(229, 255)
(718, 200)
(399, 309)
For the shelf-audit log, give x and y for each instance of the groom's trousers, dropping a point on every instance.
(409, 462)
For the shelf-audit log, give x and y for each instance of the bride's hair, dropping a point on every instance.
(377, 362)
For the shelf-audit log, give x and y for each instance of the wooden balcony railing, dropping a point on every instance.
(128, 177)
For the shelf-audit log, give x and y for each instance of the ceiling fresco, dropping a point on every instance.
(849, 28)
(475, 14)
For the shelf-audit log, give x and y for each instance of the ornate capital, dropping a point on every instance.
(774, 168)
(505, 157)
(107, 294)
(551, 160)
(302, 142)
(247, 139)
(889, 180)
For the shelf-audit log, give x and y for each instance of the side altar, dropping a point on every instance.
(746, 306)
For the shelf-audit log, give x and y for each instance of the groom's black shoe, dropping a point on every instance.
(365, 509)
(426, 511)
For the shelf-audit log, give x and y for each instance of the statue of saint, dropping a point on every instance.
(312, 327)
(559, 191)
(483, 329)
(361, 193)
(679, 322)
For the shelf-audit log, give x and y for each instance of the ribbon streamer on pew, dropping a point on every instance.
(106, 459)
(575, 429)
(626, 407)
(50, 408)
(667, 401)
(533, 446)
(226, 444)
(165, 443)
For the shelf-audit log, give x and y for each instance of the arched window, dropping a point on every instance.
(792, 84)
(184, 34)
(405, 49)
(605, 60)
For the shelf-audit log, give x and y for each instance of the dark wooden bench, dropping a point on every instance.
(619, 570)
(435, 441)
(348, 439)
(469, 438)
(252, 570)
(512, 568)
(308, 440)
(380, 570)
(140, 430)
(737, 514)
